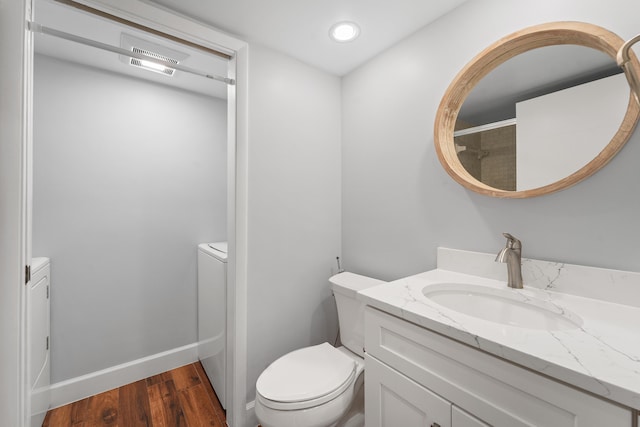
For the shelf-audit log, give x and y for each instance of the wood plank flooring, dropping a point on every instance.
(182, 397)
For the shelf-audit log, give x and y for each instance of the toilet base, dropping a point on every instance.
(355, 416)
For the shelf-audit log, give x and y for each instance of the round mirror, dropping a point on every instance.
(536, 112)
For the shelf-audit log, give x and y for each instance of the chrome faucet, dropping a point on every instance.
(512, 255)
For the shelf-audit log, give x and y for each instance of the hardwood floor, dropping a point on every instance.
(182, 397)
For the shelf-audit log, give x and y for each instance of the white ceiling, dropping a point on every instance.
(300, 28)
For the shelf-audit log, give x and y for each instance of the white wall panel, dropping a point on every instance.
(294, 207)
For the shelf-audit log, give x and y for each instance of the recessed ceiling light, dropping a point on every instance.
(344, 31)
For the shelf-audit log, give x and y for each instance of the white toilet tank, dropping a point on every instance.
(345, 286)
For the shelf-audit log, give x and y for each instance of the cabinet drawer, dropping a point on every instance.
(395, 400)
(460, 418)
(494, 390)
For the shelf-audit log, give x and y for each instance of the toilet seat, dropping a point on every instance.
(306, 378)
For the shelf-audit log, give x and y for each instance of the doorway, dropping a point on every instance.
(124, 185)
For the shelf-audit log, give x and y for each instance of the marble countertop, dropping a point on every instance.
(601, 355)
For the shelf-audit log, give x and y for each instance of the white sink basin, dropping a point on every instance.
(506, 306)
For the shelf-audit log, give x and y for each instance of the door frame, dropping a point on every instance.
(16, 251)
(15, 130)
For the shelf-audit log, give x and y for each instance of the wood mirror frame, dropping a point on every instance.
(555, 33)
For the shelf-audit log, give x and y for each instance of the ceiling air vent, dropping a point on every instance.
(153, 51)
(151, 66)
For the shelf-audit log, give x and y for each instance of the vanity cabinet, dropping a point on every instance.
(415, 377)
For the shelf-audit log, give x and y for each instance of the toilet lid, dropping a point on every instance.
(306, 374)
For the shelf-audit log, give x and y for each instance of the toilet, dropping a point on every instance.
(316, 386)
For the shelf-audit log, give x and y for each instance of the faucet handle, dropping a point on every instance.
(512, 242)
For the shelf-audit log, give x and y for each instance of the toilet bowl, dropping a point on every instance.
(311, 387)
(316, 386)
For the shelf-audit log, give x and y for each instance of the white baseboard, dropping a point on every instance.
(251, 418)
(78, 388)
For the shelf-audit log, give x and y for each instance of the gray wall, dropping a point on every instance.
(129, 177)
(398, 202)
(294, 207)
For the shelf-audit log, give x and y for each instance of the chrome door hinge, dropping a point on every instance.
(27, 274)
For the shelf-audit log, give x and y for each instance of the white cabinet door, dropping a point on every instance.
(460, 418)
(394, 400)
(496, 391)
(212, 320)
(38, 327)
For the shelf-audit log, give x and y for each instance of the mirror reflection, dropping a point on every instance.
(540, 116)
